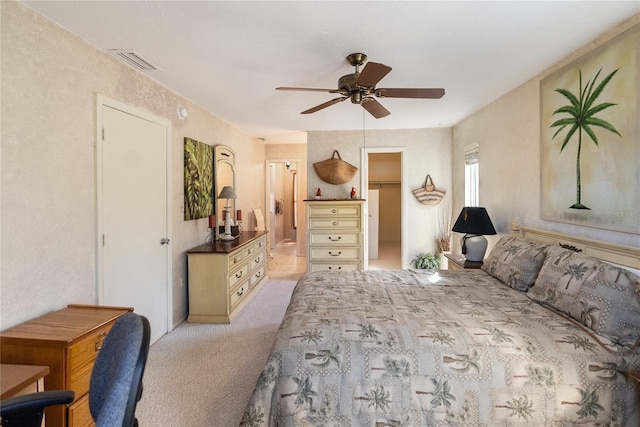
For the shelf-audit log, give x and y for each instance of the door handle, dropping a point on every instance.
(164, 241)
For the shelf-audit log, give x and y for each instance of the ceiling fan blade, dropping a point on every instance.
(431, 93)
(374, 108)
(372, 73)
(309, 89)
(324, 105)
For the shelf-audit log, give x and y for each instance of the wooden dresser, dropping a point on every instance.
(223, 277)
(67, 341)
(335, 235)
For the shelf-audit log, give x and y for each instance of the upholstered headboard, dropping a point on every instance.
(626, 256)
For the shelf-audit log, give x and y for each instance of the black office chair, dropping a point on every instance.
(115, 387)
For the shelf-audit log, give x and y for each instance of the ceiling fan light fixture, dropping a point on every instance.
(360, 88)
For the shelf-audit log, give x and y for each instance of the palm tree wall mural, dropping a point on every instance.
(590, 138)
(582, 118)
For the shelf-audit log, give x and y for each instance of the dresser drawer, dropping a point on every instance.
(257, 260)
(238, 275)
(336, 238)
(82, 354)
(319, 210)
(334, 267)
(256, 247)
(338, 254)
(236, 258)
(334, 223)
(239, 293)
(256, 276)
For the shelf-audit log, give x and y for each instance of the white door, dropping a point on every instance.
(135, 251)
(373, 198)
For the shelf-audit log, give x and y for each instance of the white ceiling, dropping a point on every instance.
(229, 56)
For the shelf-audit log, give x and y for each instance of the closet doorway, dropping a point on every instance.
(385, 230)
(282, 201)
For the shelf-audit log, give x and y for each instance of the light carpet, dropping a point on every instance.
(202, 375)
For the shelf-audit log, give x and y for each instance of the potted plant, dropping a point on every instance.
(426, 261)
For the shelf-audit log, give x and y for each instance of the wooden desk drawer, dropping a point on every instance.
(334, 253)
(320, 210)
(238, 294)
(335, 239)
(334, 223)
(238, 275)
(80, 414)
(82, 355)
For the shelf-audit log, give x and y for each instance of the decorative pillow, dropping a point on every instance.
(515, 261)
(599, 295)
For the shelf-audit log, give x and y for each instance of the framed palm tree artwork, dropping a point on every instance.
(590, 138)
(198, 179)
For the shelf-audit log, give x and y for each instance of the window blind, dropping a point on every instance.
(472, 154)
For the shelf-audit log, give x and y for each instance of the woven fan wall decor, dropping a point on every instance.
(335, 170)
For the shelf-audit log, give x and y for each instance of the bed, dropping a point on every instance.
(520, 342)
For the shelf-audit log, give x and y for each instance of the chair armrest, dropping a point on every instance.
(35, 402)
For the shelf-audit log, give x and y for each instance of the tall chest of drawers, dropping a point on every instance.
(223, 277)
(67, 341)
(335, 235)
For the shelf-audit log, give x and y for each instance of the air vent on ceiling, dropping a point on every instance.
(134, 59)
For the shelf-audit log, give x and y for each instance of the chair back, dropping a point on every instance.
(116, 379)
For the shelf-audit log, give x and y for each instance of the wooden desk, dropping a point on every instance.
(67, 341)
(21, 379)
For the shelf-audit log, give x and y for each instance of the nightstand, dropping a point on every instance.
(458, 262)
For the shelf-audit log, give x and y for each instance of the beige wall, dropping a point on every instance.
(427, 151)
(50, 79)
(508, 132)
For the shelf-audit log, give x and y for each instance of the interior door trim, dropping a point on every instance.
(103, 101)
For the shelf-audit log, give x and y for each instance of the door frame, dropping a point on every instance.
(364, 185)
(267, 194)
(103, 101)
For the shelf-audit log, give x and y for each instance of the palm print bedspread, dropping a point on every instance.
(424, 348)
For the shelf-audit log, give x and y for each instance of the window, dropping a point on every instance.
(472, 175)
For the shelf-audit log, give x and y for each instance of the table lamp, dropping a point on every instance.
(227, 193)
(475, 223)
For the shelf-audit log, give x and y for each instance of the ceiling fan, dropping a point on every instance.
(360, 88)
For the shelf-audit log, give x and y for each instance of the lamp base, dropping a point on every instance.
(474, 247)
(227, 237)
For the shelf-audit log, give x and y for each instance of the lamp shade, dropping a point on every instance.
(474, 220)
(228, 193)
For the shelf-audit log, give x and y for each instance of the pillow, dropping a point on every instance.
(515, 261)
(599, 295)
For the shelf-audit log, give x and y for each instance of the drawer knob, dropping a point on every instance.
(335, 240)
(331, 268)
(334, 211)
(258, 274)
(257, 260)
(240, 292)
(338, 254)
(100, 340)
(239, 275)
(334, 223)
